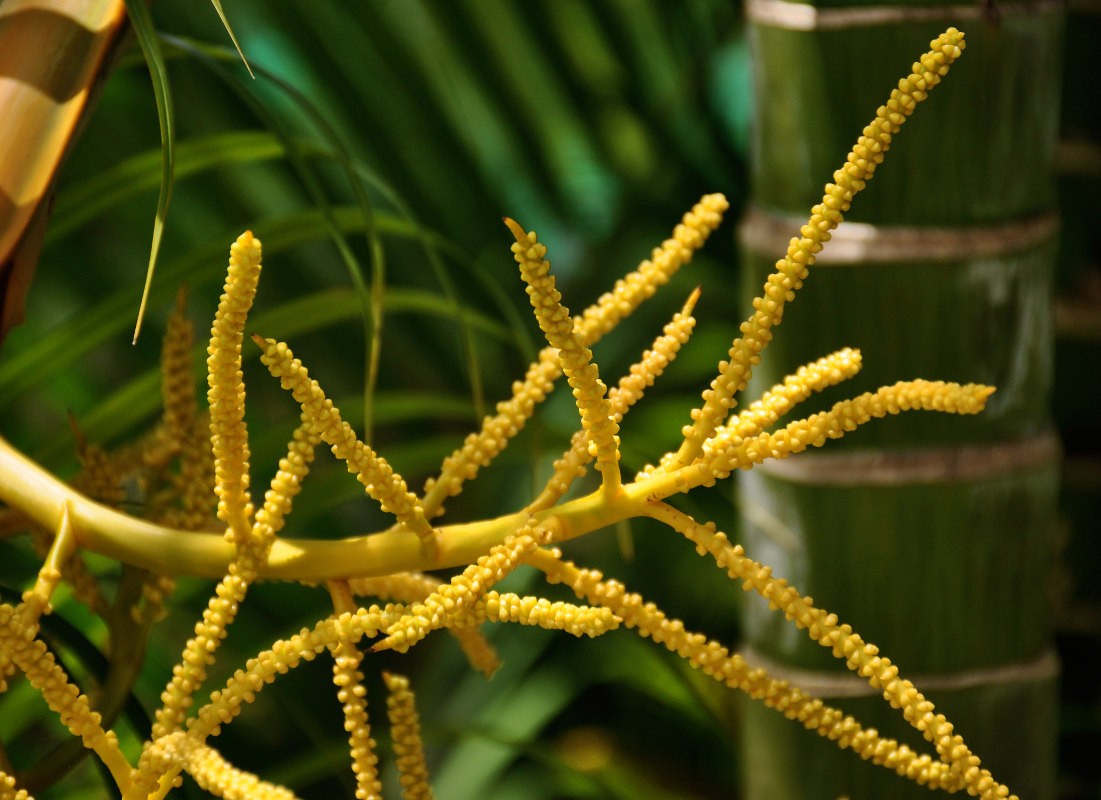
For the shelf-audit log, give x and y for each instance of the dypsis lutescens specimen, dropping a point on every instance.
(390, 565)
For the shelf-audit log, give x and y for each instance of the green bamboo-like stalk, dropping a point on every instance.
(932, 536)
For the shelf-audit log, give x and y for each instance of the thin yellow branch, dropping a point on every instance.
(36, 601)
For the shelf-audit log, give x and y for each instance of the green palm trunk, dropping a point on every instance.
(931, 535)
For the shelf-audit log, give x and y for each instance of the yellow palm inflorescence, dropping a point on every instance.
(380, 480)
(395, 565)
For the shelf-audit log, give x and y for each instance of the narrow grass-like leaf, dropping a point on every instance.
(79, 204)
(343, 156)
(473, 765)
(222, 14)
(372, 317)
(166, 117)
(202, 268)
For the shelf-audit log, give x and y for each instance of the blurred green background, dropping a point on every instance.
(595, 124)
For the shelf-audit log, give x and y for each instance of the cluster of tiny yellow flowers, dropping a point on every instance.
(352, 695)
(46, 675)
(415, 587)
(226, 396)
(405, 729)
(372, 471)
(177, 386)
(794, 267)
(557, 615)
(389, 565)
(589, 391)
(8, 790)
(622, 397)
(450, 603)
(602, 316)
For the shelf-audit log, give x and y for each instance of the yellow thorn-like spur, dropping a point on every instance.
(589, 391)
(378, 477)
(793, 268)
(36, 600)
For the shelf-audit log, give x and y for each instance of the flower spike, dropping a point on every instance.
(226, 396)
(352, 695)
(793, 269)
(406, 733)
(628, 293)
(730, 452)
(373, 471)
(589, 391)
(74, 709)
(622, 397)
(863, 658)
(177, 385)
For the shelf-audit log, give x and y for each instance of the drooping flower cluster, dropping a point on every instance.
(391, 565)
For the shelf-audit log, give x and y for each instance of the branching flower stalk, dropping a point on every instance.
(394, 565)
